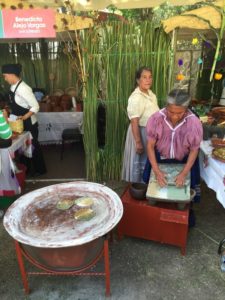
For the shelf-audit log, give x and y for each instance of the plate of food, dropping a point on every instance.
(219, 154)
(218, 142)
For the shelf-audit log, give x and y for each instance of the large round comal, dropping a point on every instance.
(53, 237)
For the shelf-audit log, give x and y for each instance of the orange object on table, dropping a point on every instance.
(163, 222)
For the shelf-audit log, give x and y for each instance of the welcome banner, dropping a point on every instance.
(27, 23)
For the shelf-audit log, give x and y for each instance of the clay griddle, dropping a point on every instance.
(35, 220)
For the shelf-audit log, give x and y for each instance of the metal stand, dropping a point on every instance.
(20, 252)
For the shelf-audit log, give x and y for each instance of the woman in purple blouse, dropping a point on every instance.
(174, 135)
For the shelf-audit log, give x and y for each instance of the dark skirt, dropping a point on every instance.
(195, 172)
(36, 164)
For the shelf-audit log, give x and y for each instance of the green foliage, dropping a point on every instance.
(165, 11)
(112, 53)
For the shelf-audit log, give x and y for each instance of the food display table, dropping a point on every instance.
(212, 171)
(162, 223)
(52, 124)
(9, 185)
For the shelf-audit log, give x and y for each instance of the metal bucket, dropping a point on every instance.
(66, 259)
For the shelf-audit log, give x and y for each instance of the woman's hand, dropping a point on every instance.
(161, 178)
(26, 116)
(139, 147)
(21, 118)
(180, 180)
(137, 135)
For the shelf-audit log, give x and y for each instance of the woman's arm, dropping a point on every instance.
(26, 95)
(160, 176)
(26, 116)
(137, 135)
(180, 178)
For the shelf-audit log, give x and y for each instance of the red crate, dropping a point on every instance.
(163, 222)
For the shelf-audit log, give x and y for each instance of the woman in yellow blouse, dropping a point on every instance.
(142, 103)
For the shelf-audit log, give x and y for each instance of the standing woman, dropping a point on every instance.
(142, 103)
(24, 105)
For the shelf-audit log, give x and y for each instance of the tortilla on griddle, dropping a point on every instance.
(84, 214)
(84, 202)
(64, 204)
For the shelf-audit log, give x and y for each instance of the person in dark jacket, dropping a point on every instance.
(24, 105)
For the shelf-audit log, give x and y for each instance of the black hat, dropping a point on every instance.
(12, 69)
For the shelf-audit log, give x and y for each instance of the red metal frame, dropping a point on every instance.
(20, 252)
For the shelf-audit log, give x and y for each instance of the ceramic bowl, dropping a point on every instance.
(138, 191)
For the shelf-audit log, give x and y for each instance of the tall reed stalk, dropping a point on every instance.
(112, 53)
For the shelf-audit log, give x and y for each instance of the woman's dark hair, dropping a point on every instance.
(139, 72)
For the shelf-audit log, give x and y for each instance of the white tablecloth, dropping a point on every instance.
(8, 180)
(212, 171)
(52, 124)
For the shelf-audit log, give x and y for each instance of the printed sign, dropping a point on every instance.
(27, 23)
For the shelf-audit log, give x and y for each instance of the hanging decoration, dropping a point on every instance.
(218, 76)
(194, 41)
(180, 62)
(207, 44)
(199, 61)
(180, 77)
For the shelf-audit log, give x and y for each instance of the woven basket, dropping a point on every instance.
(16, 126)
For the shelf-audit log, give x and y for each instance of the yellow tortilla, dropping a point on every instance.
(84, 202)
(84, 214)
(64, 204)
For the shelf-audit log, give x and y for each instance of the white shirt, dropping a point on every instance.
(25, 98)
(142, 106)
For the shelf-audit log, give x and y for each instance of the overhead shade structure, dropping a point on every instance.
(69, 22)
(199, 19)
(83, 5)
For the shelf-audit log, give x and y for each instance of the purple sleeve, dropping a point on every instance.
(195, 134)
(151, 127)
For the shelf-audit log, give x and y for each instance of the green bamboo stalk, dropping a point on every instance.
(121, 54)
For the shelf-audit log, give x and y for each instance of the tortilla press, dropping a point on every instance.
(169, 193)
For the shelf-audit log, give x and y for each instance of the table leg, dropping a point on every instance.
(107, 272)
(22, 267)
